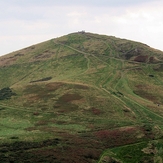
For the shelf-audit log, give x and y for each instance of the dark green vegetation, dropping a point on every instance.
(82, 98)
(6, 93)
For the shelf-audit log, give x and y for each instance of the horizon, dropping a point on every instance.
(27, 23)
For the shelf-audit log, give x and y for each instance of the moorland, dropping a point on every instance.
(82, 98)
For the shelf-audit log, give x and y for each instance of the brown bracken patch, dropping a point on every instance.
(7, 61)
(116, 137)
(153, 60)
(96, 111)
(81, 86)
(141, 58)
(143, 91)
(53, 86)
(70, 97)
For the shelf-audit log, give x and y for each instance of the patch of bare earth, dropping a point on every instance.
(7, 61)
(141, 58)
(153, 60)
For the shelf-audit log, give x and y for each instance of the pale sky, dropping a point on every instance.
(27, 22)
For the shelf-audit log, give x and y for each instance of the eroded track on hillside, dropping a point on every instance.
(112, 84)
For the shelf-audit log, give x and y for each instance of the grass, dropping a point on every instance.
(138, 152)
(129, 153)
(86, 91)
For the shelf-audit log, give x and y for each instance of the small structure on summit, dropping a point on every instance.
(82, 32)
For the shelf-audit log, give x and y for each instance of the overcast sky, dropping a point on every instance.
(27, 22)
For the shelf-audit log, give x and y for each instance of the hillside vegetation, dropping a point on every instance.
(82, 98)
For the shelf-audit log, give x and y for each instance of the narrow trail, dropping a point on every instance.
(142, 107)
(15, 108)
(102, 88)
(109, 150)
(27, 75)
(115, 84)
(81, 52)
(88, 63)
(39, 67)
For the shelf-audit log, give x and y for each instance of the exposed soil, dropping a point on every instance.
(45, 55)
(7, 61)
(153, 60)
(141, 58)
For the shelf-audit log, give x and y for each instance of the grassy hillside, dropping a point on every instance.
(82, 98)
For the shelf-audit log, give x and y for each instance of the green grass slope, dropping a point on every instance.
(82, 98)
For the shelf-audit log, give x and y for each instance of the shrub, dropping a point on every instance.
(6, 93)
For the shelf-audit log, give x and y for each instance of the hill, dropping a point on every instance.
(82, 98)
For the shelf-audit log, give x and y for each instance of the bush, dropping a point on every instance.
(6, 93)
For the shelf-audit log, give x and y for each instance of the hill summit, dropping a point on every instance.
(82, 98)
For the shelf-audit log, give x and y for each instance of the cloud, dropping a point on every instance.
(25, 23)
(92, 3)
